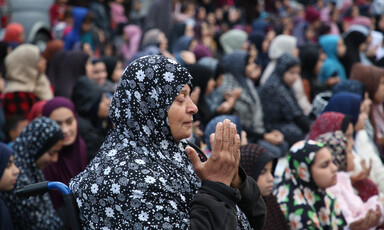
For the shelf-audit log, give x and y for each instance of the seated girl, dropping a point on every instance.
(352, 206)
(36, 147)
(302, 192)
(260, 165)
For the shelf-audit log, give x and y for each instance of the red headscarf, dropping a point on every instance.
(13, 32)
(329, 122)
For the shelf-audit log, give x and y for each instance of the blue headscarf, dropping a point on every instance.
(331, 65)
(78, 14)
(349, 85)
(346, 103)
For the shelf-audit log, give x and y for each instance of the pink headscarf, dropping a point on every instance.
(130, 48)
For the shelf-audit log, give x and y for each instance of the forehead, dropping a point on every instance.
(322, 155)
(61, 113)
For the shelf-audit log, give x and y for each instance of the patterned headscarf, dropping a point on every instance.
(304, 204)
(336, 142)
(141, 176)
(37, 137)
(329, 122)
(253, 160)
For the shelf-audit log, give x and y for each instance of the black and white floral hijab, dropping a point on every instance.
(141, 178)
(36, 212)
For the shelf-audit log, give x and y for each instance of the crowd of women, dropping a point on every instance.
(197, 114)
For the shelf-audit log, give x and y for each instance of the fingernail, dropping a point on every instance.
(233, 125)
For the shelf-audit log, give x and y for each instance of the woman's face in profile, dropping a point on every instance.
(180, 114)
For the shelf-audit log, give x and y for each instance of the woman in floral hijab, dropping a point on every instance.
(36, 147)
(301, 193)
(142, 178)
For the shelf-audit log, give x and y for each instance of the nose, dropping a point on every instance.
(65, 129)
(16, 170)
(191, 107)
(334, 167)
(270, 177)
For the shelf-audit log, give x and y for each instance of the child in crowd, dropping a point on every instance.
(302, 192)
(351, 205)
(260, 165)
(8, 175)
(36, 147)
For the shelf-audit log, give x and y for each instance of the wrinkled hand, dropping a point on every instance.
(364, 173)
(223, 163)
(371, 219)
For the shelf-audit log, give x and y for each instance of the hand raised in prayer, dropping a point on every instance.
(223, 163)
(364, 173)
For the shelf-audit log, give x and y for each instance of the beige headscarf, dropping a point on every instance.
(279, 45)
(22, 74)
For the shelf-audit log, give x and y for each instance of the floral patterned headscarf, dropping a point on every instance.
(141, 177)
(304, 204)
(34, 141)
(336, 142)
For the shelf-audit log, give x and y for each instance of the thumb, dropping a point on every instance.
(191, 152)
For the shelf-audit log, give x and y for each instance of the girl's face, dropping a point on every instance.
(252, 70)
(51, 156)
(117, 72)
(341, 48)
(379, 95)
(8, 179)
(291, 75)
(265, 180)
(99, 73)
(323, 170)
(68, 123)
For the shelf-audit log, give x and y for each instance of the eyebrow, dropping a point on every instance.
(64, 120)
